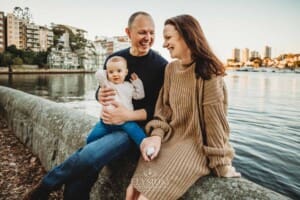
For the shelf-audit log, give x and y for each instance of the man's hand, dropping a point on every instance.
(118, 115)
(150, 142)
(106, 95)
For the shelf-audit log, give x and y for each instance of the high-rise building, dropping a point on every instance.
(2, 32)
(12, 30)
(245, 55)
(32, 37)
(236, 55)
(45, 38)
(254, 54)
(22, 34)
(267, 52)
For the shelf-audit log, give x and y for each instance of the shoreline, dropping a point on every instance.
(44, 71)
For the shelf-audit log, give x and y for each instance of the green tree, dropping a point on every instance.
(14, 51)
(28, 57)
(17, 61)
(41, 59)
(8, 60)
(77, 41)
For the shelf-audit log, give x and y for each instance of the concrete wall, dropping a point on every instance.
(53, 132)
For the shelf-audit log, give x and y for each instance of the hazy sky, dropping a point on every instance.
(227, 24)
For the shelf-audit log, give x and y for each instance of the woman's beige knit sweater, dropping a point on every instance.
(183, 157)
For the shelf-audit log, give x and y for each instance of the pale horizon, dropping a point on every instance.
(227, 24)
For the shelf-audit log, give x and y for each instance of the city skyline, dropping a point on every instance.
(227, 24)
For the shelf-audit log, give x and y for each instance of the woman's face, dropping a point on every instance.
(175, 43)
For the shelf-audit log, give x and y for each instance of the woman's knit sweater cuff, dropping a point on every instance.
(158, 132)
(214, 151)
(219, 159)
(220, 171)
(159, 128)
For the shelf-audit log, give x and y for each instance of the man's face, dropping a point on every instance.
(141, 34)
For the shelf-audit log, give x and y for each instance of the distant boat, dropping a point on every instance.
(245, 69)
(297, 70)
(267, 69)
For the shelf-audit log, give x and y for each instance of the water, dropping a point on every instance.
(264, 113)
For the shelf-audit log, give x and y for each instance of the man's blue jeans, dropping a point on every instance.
(135, 132)
(80, 171)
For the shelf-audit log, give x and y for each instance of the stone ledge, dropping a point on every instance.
(53, 132)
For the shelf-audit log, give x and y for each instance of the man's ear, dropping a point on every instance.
(128, 32)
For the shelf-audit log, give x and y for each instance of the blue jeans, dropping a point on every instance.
(80, 171)
(101, 129)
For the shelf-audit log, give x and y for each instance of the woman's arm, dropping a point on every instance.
(218, 148)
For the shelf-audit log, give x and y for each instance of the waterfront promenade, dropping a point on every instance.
(4, 70)
(52, 132)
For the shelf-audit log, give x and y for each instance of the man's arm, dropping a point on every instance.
(105, 95)
(121, 114)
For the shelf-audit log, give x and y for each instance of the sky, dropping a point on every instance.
(227, 24)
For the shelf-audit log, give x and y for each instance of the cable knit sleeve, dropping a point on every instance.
(138, 89)
(218, 149)
(159, 126)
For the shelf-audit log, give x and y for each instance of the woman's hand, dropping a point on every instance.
(232, 173)
(106, 95)
(118, 115)
(149, 142)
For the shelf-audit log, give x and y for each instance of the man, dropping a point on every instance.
(80, 171)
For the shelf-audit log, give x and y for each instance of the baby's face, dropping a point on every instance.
(116, 72)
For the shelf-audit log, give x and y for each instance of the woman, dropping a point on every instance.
(190, 132)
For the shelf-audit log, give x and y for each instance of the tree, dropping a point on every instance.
(8, 60)
(23, 14)
(17, 61)
(28, 57)
(14, 51)
(41, 59)
(77, 41)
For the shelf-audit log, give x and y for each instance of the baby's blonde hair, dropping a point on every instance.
(115, 59)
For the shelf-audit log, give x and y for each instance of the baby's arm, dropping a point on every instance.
(101, 77)
(138, 88)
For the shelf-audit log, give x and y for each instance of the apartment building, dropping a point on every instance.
(12, 30)
(236, 55)
(33, 36)
(245, 55)
(267, 52)
(254, 54)
(2, 32)
(45, 38)
(107, 45)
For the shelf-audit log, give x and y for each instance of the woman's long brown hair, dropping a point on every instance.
(190, 30)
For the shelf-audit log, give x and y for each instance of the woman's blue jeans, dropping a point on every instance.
(80, 171)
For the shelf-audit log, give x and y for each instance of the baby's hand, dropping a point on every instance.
(133, 76)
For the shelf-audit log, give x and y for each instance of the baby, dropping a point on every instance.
(114, 77)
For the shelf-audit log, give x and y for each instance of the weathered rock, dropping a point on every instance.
(53, 132)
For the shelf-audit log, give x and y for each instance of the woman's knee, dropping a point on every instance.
(131, 193)
(141, 197)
